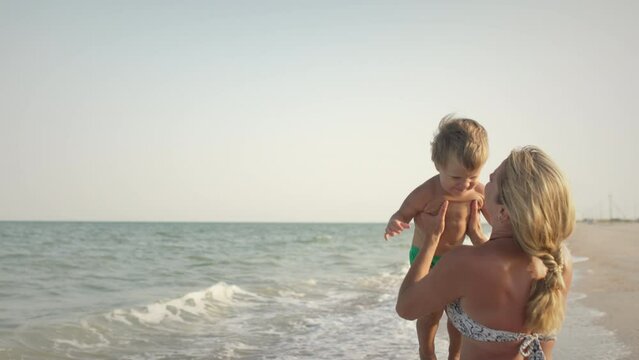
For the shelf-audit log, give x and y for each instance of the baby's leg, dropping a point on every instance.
(454, 347)
(426, 331)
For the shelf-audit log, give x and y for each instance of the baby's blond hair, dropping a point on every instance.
(463, 138)
(542, 214)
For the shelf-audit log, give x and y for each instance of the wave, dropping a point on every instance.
(195, 306)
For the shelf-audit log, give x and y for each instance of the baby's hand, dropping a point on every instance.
(395, 227)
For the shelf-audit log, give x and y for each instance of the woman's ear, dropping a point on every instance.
(504, 215)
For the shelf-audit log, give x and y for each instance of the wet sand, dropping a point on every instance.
(610, 276)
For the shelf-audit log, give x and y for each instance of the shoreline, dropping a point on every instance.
(608, 278)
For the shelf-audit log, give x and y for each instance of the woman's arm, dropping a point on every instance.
(423, 291)
(412, 290)
(473, 229)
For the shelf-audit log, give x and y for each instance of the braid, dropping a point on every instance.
(545, 308)
(553, 279)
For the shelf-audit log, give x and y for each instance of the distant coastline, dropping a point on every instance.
(607, 221)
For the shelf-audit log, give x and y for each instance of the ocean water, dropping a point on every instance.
(220, 291)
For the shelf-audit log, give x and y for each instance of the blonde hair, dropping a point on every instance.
(464, 138)
(542, 215)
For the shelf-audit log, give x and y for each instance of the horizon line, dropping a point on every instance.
(194, 221)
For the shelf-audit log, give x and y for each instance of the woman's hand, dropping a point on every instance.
(473, 229)
(432, 225)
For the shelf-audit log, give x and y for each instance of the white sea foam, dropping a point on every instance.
(156, 313)
(290, 293)
(73, 343)
(575, 296)
(234, 349)
(102, 340)
(119, 315)
(198, 304)
(82, 336)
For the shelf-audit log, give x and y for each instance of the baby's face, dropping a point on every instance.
(455, 179)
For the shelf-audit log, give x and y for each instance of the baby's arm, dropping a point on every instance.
(412, 205)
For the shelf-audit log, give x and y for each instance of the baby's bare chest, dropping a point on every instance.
(457, 215)
(456, 224)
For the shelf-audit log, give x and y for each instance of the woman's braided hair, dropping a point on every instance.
(537, 197)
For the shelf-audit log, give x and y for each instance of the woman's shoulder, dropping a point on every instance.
(471, 256)
(489, 249)
(490, 257)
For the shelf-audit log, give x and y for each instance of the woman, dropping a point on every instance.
(506, 296)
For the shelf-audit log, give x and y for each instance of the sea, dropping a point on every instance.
(81, 290)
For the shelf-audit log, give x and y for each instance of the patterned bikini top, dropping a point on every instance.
(530, 346)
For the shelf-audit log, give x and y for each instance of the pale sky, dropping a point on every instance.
(311, 111)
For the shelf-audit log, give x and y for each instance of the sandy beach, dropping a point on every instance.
(610, 276)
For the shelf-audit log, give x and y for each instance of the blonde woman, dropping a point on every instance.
(506, 296)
